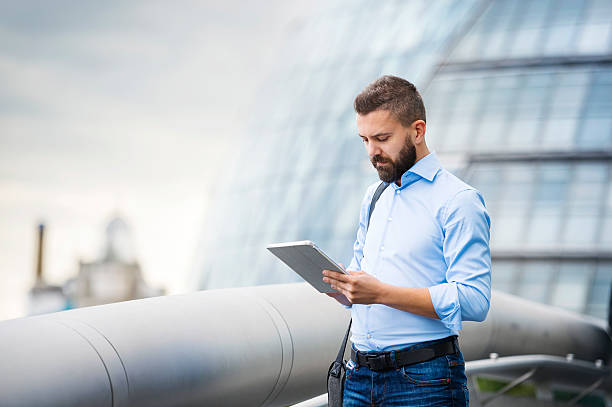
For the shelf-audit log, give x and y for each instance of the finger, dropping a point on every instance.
(338, 276)
(327, 272)
(340, 286)
(343, 292)
(332, 281)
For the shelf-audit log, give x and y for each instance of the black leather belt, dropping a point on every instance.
(398, 358)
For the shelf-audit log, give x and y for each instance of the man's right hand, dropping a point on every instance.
(340, 298)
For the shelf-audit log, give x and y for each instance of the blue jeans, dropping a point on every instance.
(437, 382)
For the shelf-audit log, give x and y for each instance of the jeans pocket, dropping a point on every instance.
(456, 364)
(432, 372)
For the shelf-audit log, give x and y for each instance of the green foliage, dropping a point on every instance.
(492, 385)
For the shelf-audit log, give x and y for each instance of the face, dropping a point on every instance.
(388, 144)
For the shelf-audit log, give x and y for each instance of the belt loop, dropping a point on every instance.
(393, 360)
(357, 360)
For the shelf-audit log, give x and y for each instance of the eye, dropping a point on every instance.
(382, 138)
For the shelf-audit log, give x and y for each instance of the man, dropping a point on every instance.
(421, 266)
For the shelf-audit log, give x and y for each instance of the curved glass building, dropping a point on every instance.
(519, 101)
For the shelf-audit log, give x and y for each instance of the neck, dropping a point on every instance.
(421, 151)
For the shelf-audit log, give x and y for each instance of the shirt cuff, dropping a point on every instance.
(445, 300)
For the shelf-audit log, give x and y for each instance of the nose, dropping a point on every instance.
(373, 149)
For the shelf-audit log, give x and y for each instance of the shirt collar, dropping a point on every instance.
(427, 167)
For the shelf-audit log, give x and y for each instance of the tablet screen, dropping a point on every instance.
(307, 260)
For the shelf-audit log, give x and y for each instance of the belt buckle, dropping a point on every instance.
(376, 362)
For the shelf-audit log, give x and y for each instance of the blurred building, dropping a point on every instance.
(115, 277)
(519, 100)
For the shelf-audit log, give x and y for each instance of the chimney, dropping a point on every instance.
(39, 260)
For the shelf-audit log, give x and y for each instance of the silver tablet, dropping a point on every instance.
(306, 259)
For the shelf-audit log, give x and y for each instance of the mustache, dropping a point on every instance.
(378, 159)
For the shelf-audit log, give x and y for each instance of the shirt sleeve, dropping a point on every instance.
(466, 294)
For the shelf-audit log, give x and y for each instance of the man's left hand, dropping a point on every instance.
(359, 287)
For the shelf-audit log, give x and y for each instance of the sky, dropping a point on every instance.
(122, 108)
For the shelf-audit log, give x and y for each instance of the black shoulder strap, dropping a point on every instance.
(377, 194)
(379, 190)
(340, 356)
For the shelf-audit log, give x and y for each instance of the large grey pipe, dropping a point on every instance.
(261, 346)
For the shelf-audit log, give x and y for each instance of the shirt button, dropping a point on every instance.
(382, 248)
(369, 336)
(389, 219)
(397, 192)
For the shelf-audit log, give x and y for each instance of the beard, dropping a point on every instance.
(393, 170)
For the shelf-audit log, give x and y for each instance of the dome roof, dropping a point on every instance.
(119, 242)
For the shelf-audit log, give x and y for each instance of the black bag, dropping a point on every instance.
(337, 371)
(336, 375)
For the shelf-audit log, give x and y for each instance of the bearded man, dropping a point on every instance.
(421, 264)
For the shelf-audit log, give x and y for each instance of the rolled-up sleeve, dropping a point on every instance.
(466, 294)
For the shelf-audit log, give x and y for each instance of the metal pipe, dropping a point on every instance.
(516, 326)
(259, 346)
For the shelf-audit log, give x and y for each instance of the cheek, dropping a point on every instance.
(394, 150)
(390, 154)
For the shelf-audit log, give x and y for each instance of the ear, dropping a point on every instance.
(418, 136)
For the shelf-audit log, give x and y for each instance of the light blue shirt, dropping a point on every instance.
(432, 232)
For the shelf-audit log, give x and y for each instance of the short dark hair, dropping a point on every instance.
(395, 94)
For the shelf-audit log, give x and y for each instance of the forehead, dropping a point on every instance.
(376, 122)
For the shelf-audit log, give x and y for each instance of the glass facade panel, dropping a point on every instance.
(522, 134)
(605, 241)
(572, 286)
(599, 103)
(594, 133)
(536, 279)
(580, 230)
(558, 134)
(594, 38)
(545, 226)
(599, 295)
(503, 276)
(559, 39)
